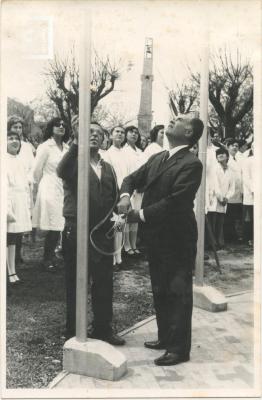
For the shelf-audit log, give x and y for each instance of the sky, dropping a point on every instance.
(33, 31)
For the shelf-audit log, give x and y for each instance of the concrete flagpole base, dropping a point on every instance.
(208, 298)
(93, 358)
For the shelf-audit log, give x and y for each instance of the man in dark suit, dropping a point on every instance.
(103, 194)
(169, 181)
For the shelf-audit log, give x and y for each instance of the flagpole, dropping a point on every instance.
(200, 201)
(83, 179)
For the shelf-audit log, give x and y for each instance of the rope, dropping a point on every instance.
(119, 225)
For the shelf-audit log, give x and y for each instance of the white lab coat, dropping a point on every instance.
(221, 185)
(152, 148)
(117, 158)
(17, 195)
(236, 167)
(135, 159)
(48, 208)
(248, 181)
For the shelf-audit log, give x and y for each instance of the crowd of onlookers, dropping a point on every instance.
(36, 195)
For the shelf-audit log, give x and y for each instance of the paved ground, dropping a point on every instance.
(221, 356)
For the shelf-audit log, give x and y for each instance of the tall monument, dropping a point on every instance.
(145, 110)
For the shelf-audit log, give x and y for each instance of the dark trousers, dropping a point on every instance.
(51, 240)
(173, 299)
(233, 227)
(216, 221)
(101, 277)
(248, 223)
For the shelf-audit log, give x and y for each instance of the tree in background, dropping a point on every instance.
(183, 99)
(63, 83)
(15, 107)
(32, 130)
(230, 94)
(44, 109)
(113, 116)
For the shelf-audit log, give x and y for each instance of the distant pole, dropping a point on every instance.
(200, 206)
(83, 179)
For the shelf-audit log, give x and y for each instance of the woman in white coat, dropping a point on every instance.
(156, 141)
(15, 124)
(115, 156)
(48, 209)
(135, 158)
(18, 213)
(221, 187)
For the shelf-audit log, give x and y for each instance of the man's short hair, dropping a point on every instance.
(100, 126)
(222, 150)
(198, 128)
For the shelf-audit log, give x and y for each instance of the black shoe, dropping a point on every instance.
(171, 359)
(113, 339)
(155, 345)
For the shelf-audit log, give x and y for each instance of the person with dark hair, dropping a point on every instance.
(135, 158)
(18, 214)
(233, 228)
(221, 189)
(15, 124)
(103, 194)
(170, 180)
(157, 141)
(47, 212)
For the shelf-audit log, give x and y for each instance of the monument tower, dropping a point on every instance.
(145, 110)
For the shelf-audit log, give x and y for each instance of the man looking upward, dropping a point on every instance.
(170, 181)
(102, 194)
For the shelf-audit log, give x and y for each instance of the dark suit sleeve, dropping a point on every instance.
(184, 189)
(135, 181)
(67, 168)
(138, 179)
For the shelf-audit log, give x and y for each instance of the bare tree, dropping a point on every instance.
(230, 90)
(182, 99)
(15, 107)
(113, 116)
(43, 109)
(63, 83)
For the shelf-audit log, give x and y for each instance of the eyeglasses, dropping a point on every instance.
(58, 124)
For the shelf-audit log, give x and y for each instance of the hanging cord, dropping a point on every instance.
(119, 225)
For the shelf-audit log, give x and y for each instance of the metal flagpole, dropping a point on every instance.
(83, 179)
(200, 206)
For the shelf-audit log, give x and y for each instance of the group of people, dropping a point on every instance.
(230, 190)
(150, 188)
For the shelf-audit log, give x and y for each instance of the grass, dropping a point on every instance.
(36, 308)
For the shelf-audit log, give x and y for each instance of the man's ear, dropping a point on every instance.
(188, 133)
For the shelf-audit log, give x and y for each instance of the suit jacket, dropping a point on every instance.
(169, 192)
(103, 195)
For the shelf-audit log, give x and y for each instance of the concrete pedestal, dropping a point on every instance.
(208, 298)
(93, 358)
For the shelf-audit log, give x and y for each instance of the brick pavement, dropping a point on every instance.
(221, 355)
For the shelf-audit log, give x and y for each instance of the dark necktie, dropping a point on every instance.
(166, 156)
